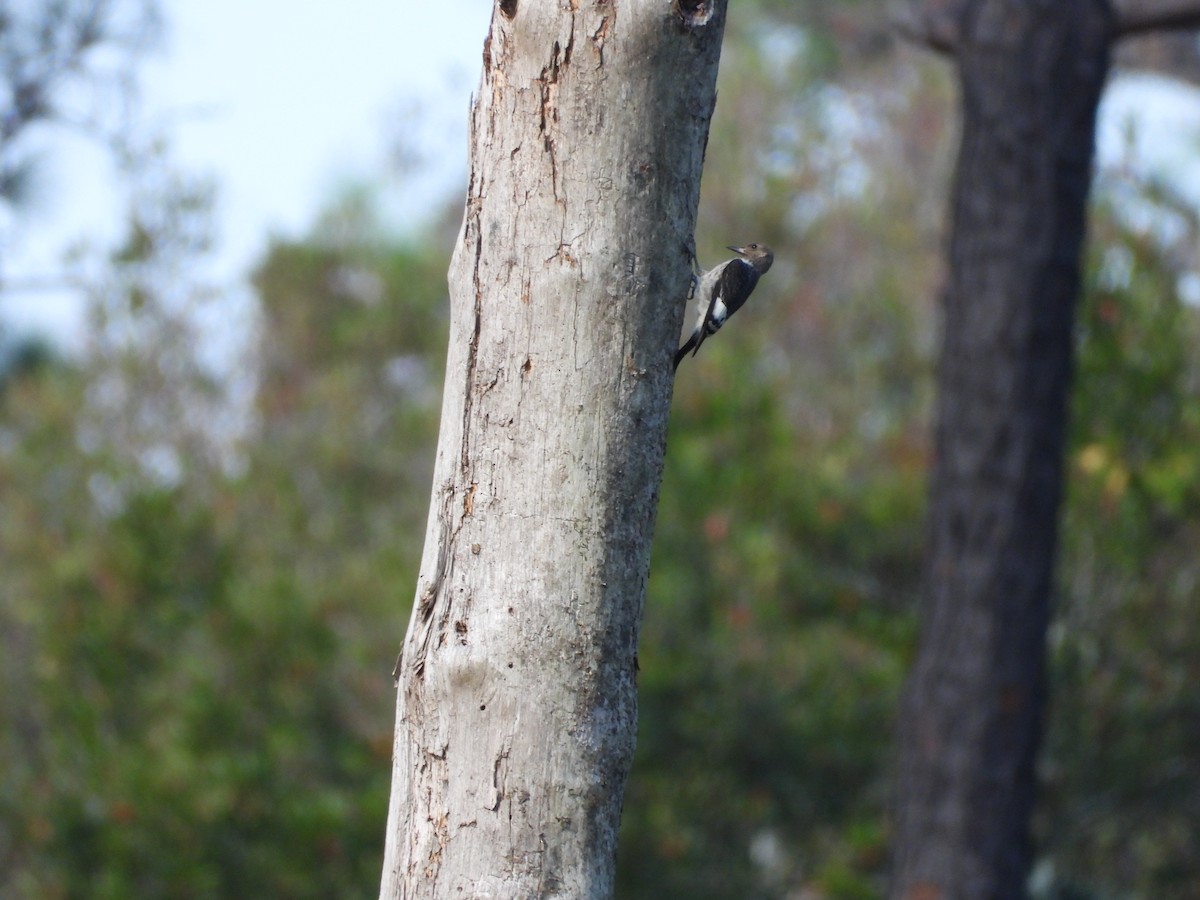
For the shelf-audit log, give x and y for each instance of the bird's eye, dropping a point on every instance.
(754, 246)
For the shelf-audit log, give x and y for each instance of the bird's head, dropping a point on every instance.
(758, 255)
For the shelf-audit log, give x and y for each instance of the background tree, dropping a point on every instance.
(1031, 77)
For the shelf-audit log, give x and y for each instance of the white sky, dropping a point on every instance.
(279, 104)
(282, 106)
(291, 102)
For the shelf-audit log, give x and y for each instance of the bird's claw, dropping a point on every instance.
(690, 249)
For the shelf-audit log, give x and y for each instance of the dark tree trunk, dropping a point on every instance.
(1031, 75)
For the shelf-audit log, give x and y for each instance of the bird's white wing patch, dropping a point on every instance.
(719, 312)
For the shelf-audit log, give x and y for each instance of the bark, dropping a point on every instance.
(1031, 75)
(516, 709)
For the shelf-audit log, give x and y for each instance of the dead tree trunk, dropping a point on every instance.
(516, 709)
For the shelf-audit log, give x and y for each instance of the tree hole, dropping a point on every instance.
(694, 13)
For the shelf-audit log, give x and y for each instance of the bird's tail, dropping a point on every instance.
(692, 342)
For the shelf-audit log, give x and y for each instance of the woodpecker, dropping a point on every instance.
(723, 290)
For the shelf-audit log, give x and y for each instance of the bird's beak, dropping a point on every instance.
(737, 250)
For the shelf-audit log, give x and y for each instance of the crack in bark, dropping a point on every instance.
(464, 462)
(549, 113)
(560, 58)
(428, 599)
(498, 779)
(599, 37)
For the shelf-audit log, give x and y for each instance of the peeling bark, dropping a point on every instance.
(516, 708)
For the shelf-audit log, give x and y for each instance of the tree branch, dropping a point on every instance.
(937, 24)
(1174, 54)
(1140, 16)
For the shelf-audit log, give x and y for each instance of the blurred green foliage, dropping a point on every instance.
(1121, 809)
(198, 623)
(198, 681)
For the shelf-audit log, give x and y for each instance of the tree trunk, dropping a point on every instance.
(516, 711)
(1031, 75)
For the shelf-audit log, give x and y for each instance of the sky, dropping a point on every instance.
(282, 107)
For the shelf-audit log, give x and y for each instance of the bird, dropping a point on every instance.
(723, 290)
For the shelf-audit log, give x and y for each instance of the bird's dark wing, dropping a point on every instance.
(734, 286)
